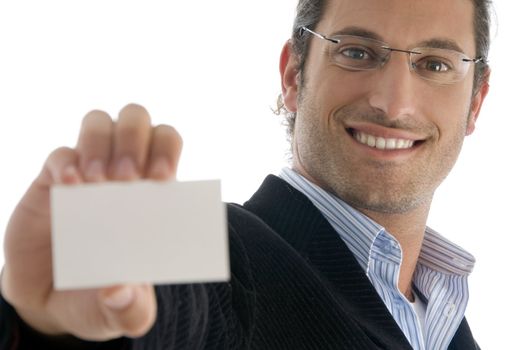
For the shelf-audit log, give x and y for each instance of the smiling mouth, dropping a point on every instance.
(381, 142)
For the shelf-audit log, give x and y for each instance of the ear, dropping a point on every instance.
(288, 68)
(476, 102)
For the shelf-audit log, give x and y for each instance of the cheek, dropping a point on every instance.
(334, 89)
(448, 108)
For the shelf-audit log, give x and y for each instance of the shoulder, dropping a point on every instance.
(240, 218)
(251, 231)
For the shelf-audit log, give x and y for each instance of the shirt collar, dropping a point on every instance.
(359, 232)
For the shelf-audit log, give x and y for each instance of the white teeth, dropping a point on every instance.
(362, 138)
(382, 143)
(371, 140)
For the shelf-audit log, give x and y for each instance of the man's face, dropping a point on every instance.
(340, 110)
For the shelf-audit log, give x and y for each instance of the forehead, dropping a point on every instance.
(403, 23)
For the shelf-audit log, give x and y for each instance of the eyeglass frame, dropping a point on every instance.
(385, 46)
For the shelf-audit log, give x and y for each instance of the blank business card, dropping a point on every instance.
(133, 232)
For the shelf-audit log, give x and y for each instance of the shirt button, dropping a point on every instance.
(389, 247)
(399, 301)
(449, 309)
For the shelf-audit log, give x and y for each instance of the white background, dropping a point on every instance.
(211, 69)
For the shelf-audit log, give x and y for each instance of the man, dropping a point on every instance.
(333, 254)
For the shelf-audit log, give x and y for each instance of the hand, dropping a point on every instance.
(126, 150)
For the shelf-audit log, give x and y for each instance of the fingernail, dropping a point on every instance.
(119, 299)
(125, 169)
(95, 171)
(160, 169)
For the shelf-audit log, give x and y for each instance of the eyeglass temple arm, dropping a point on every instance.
(305, 29)
(475, 60)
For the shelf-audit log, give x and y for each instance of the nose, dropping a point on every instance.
(395, 89)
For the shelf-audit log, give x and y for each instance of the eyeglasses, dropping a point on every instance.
(355, 53)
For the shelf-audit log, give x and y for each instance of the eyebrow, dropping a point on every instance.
(437, 43)
(358, 31)
(441, 43)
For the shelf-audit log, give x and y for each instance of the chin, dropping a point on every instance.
(386, 203)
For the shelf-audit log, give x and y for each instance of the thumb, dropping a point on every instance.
(129, 310)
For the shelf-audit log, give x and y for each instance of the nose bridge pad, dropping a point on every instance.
(399, 52)
(412, 65)
(385, 58)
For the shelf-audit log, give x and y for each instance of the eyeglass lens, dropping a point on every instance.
(357, 53)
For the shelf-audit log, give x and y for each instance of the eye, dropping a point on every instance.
(356, 53)
(434, 65)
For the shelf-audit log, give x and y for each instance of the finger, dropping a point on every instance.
(165, 150)
(94, 145)
(131, 143)
(61, 167)
(131, 310)
(27, 233)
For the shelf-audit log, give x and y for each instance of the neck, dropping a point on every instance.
(408, 229)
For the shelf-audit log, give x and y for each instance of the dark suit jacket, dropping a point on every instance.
(295, 285)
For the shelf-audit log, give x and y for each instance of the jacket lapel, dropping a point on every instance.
(463, 339)
(296, 219)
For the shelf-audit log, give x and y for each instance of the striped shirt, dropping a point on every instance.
(440, 275)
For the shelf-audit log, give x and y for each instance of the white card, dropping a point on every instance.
(133, 232)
